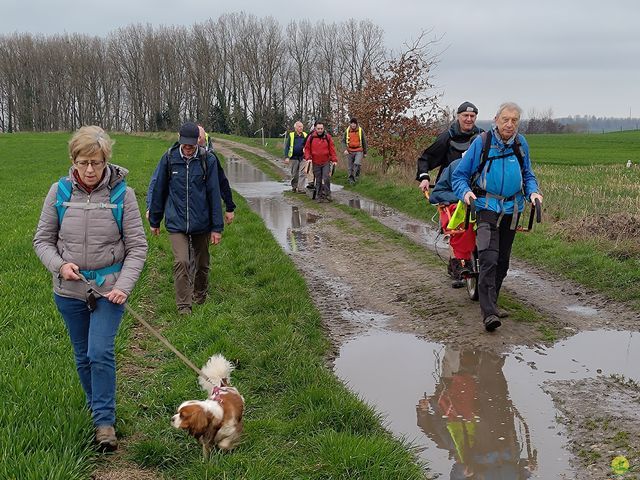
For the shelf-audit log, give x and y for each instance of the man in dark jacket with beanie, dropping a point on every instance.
(449, 146)
(187, 196)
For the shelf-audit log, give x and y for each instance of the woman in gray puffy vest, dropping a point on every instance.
(90, 237)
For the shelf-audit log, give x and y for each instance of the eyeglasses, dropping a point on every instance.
(85, 163)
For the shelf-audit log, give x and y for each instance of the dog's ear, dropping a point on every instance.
(195, 419)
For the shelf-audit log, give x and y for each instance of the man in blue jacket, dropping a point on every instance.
(498, 180)
(187, 195)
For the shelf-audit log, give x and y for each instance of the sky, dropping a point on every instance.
(575, 57)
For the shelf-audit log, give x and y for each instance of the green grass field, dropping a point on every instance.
(300, 421)
(586, 148)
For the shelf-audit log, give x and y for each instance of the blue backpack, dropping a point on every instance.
(116, 200)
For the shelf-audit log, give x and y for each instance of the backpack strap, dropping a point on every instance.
(116, 197)
(63, 195)
(116, 201)
(486, 147)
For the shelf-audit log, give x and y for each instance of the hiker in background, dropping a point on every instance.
(321, 151)
(294, 156)
(356, 148)
(206, 143)
(447, 147)
(498, 179)
(90, 225)
(187, 195)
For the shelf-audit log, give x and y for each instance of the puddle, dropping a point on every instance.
(421, 233)
(285, 221)
(473, 411)
(583, 310)
(372, 208)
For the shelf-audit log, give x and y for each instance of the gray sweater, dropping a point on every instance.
(90, 238)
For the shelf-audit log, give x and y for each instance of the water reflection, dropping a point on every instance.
(470, 414)
(372, 208)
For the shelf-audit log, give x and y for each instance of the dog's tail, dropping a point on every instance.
(217, 369)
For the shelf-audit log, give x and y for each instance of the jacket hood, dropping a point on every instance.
(454, 130)
(114, 175)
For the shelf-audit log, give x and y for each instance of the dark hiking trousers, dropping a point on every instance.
(323, 180)
(190, 281)
(494, 249)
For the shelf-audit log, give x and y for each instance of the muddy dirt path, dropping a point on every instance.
(568, 306)
(391, 314)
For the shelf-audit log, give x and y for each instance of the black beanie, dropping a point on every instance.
(467, 107)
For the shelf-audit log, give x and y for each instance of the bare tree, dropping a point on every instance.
(397, 104)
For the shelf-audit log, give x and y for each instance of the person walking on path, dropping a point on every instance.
(90, 228)
(206, 143)
(321, 151)
(447, 147)
(187, 195)
(356, 148)
(496, 173)
(294, 156)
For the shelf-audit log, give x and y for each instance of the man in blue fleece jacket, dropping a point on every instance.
(499, 187)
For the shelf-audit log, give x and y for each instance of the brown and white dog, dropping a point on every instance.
(216, 421)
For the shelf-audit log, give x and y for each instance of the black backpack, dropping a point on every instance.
(202, 156)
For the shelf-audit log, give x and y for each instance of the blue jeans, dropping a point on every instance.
(93, 337)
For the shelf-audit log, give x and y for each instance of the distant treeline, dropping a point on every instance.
(573, 124)
(586, 123)
(235, 74)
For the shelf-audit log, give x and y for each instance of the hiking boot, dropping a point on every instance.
(303, 192)
(502, 313)
(106, 438)
(294, 189)
(351, 180)
(184, 310)
(310, 186)
(199, 299)
(455, 270)
(491, 323)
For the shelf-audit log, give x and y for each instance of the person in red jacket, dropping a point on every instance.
(321, 150)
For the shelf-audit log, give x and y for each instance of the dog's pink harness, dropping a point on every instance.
(217, 393)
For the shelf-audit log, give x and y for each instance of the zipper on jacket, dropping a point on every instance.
(188, 161)
(86, 224)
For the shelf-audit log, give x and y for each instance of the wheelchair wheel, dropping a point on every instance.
(471, 280)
